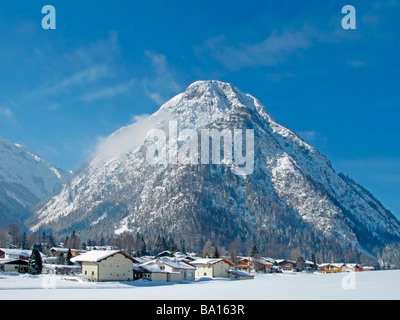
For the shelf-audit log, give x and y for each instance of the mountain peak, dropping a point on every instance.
(209, 101)
(204, 86)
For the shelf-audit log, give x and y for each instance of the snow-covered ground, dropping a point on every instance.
(368, 285)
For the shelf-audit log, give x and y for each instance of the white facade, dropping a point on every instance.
(111, 265)
(212, 268)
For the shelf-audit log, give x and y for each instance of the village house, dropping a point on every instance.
(309, 265)
(61, 269)
(108, 265)
(171, 265)
(212, 268)
(286, 265)
(14, 265)
(331, 267)
(250, 264)
(352, 267)
(157, 273)
(15, 254)
(57, 251)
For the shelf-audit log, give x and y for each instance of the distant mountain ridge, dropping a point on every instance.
(25, 180)
(292, 200)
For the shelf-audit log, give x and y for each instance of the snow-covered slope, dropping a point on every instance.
(25, 180)
(291, 199)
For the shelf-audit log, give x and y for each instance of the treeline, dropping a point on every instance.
(138, 245)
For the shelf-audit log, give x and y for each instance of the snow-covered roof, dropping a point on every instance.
(240, 273)
(177, 264)
(154, 268)
(59, 249)
(11, 260)
(264, 261)
(60, 266)
(338, 265)
(95, 255)
(279, 261)
(140, 260)
(17, 252)
(210, 261)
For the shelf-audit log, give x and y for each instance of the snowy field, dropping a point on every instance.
(368, 285)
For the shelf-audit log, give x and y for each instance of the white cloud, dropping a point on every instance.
(109, 92)
(309, 136)
(6, 112)
(162, 85)
(105, 50)
(274, 50)
(126, 139)
(356, 63)
(278, 77)
(85, 76)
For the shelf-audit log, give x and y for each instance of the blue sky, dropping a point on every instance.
(109, 61)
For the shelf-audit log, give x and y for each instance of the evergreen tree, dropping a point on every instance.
(35, 265)
(144, 247)
(300, 264)
(314, 261)
(216, 253)
(254, 252)
(61, 259)
(23, 245)
(50, 241)
(172, 246)
(68, 258)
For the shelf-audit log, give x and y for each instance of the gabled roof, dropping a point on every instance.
(13, 261)
(138, 260)
(263, 261)
(280, 261)
(59, 249)
(172, 264)
(17, 252)
(337, 265)
(210, 261)
(98, 255)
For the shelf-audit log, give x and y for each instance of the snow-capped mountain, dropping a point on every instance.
(290, 197)
(25, 180)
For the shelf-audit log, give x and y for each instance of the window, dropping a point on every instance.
(162, 267)
(205, 273)
(85, 272)
(92, 273)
